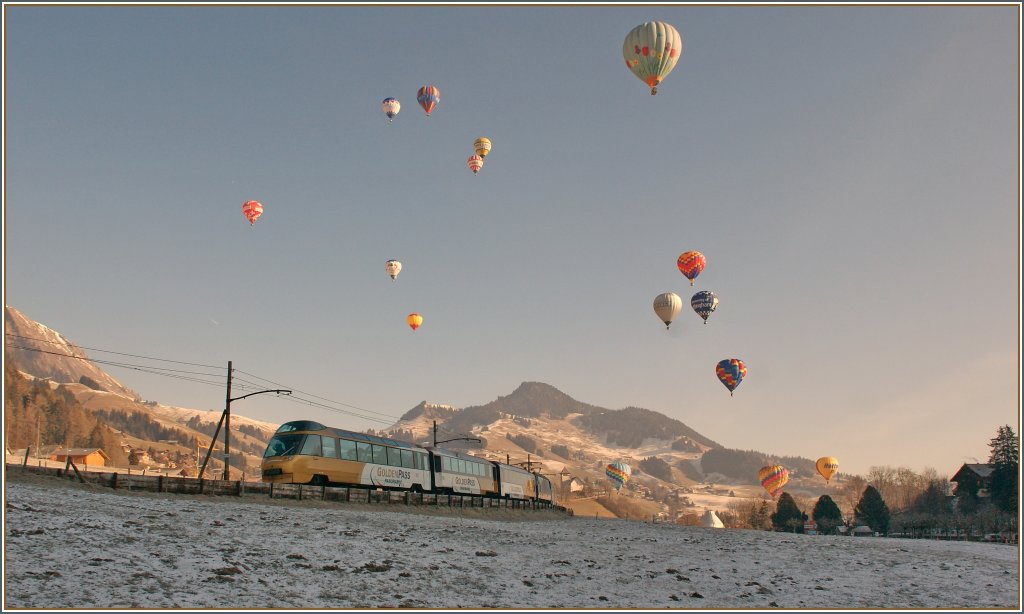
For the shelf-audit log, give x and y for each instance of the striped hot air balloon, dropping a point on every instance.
(475, 163)
(482, 146)
(619, 473)
(773, 478)
(428, 96)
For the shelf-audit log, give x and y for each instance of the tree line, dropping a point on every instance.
(898, 501)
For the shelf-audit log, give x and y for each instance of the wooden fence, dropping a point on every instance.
(300, 492)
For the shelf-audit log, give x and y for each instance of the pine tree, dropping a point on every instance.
(872, 510)
(787, 516)
(827, 515)
(1005, 485)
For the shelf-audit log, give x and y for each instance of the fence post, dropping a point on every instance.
(159, 483)
(24, 463)
(271, 490)
(113, 481)
(239, 488)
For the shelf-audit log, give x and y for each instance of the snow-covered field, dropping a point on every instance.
(73, 546)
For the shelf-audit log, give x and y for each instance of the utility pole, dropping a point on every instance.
(225, 419)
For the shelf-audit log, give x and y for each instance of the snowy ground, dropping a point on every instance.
(74, 546)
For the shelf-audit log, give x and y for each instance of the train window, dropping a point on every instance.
(408, 460)
(347, 450)
(394, 457)
(311, 447)
(446, 463)
(462, 466)
(330, 446)
(283, 445)
(380, 455)
(364, 452)
(300, 425)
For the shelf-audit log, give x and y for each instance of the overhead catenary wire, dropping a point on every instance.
(241, 383)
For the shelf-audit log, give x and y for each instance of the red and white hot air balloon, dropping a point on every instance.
(252, 210)
(475, 163)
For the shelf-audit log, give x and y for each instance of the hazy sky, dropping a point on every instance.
(851, 174)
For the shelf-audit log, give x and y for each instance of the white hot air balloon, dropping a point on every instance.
(393, 268)
(667, 306)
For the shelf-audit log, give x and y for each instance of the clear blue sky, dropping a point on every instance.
(850, 173)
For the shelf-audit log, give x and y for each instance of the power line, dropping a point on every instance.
(243, 384)
(193, 364)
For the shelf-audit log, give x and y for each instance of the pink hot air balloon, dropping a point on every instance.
(252, 210)
(475, 163)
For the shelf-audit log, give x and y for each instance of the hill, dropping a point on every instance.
(536, 425)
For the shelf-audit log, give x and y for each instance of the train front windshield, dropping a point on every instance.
(284, 445)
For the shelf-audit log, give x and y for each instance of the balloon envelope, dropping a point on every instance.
(667, 306)
(827, 467)
(619, 473)
(704, 303)
(651, 51)
(773, 478)
(393, 268)
(428, 96)
(414, 320)
(482, 146)
(475, 163)
(390, 106)
(731, 372)
(691, 264)
(252, 210)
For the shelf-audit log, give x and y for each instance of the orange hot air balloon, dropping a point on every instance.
(691, 264)
(773, 478)
(414, 320)
(252, 210)
(827, 467)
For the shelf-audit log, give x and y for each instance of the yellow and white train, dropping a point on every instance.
(307, 452)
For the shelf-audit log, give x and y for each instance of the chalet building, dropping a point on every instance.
(979, 473)
(82, 457)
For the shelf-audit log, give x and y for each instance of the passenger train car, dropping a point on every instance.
(307, 452)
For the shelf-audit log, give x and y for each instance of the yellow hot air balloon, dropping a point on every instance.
(414, 320)
(651, 51)
(827, 467)
(482, 146)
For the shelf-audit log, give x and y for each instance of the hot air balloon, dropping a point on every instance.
(651, 51)
(827, 467)
(393, 268)
(252, 210)
(390, 106)
(704, 302)
(428, 96)
(475, 163)
(731, 371)
(414, 320)
(691, 264)
(482, 146)
(773, 478)
(667, 305)
(619, 473)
